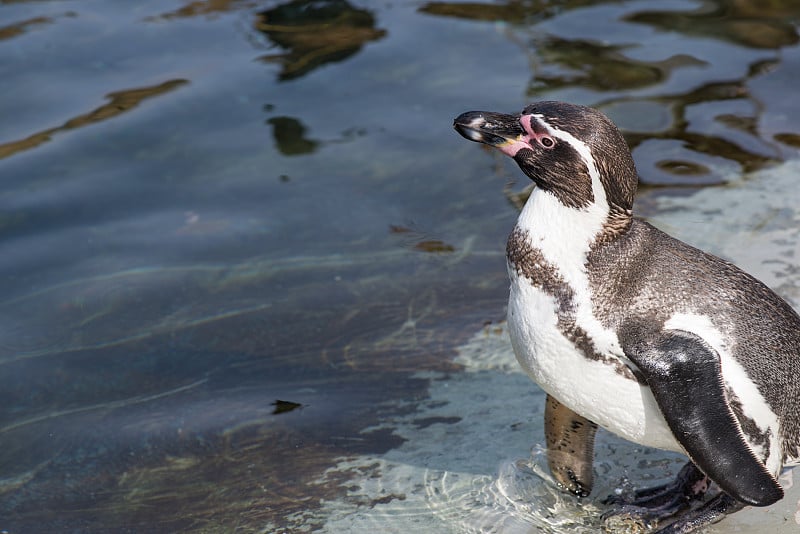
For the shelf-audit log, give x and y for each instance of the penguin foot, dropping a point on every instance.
(632, 520)
(659, 505)
(689, 485)
(711, 512)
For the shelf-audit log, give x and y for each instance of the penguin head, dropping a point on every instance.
(573, 152)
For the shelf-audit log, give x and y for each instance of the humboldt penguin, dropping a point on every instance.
(628, 328)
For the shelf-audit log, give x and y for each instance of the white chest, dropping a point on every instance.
(555, 241)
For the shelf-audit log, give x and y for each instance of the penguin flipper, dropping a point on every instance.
(570, 447)
(685, 377)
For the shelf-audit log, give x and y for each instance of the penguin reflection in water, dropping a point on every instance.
(628, 328)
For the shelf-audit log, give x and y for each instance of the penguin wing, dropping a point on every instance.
(685, 377)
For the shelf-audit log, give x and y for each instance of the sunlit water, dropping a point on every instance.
(252, 279)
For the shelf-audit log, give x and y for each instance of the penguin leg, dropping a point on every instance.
(570, 447)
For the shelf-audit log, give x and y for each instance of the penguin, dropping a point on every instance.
(627, 328)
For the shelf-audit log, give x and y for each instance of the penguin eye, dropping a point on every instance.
(547, 142)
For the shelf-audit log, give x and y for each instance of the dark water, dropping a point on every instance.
(234, 232)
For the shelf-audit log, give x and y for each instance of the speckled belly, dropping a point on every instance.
(592, 388)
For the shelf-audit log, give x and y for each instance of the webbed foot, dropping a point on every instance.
(669, 508)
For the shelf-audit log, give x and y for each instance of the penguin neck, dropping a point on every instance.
(562, 234)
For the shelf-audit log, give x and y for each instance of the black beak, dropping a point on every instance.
(494, 129)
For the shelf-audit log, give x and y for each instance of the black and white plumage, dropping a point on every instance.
(628, 328)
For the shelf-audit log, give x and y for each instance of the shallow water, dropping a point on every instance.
(242, 248)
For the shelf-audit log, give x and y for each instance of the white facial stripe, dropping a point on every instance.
(582, 149)
(754, 406)
(565, 235)
(587, 222)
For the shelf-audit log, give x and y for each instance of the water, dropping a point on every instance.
(244, 256)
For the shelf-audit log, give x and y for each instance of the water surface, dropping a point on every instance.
(243, 250)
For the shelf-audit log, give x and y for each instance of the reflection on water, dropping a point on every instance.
(13, 30)
(201, 7)
(622, 71)
(752, 24)
(601, 67)
(290, 136)
(315, 33)
(238, 304)
(121, 101)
